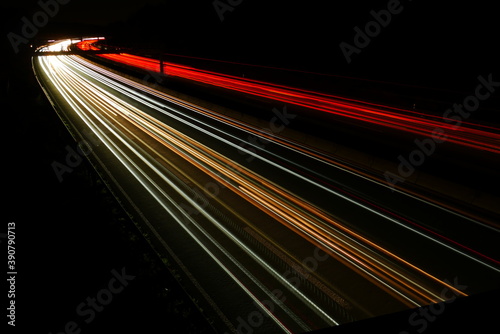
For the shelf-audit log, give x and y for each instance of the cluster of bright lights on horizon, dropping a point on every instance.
(63, 45)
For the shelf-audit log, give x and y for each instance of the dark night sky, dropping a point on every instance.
(100, 12)
(425, 42)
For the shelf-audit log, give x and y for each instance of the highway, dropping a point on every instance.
(276, 237)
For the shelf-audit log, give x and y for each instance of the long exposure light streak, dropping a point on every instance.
(308, 151)
(472, 135)
(328, 187)
(125, 117)
(149, 185)
(204, 162)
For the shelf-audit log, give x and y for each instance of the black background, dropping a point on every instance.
(71, 234)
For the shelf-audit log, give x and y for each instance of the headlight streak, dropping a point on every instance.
(236, 240)
(401, 224)
(339, 249)
(397, 221)
(134, 169)
(231, 175)
(121, 156)
(299, 215)
(218, 168)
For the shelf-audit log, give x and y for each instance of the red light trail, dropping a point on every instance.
(467, 134)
